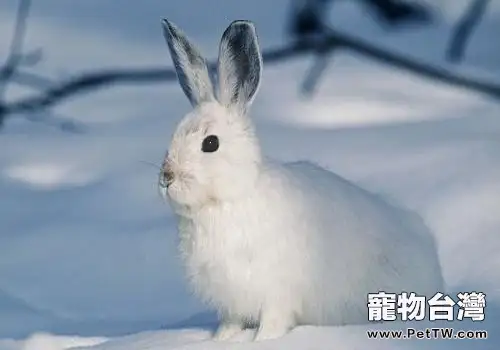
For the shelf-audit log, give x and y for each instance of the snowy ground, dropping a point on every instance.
(87, 248)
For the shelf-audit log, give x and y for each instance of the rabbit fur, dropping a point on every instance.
(270, 244)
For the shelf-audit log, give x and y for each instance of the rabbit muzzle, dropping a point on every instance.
(167, 176)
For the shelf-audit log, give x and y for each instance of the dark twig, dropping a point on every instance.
(413, 65)
(464, 28)
(30, 80)
(395, 13)
(322, 59)
(307, 17)
(32, 58)
(308, 22)
(325, 41)
(10, 73)
(16, 46)
(88, 82)
(54, 120)
(15, 52)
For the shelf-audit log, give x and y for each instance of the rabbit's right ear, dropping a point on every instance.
(190, 65)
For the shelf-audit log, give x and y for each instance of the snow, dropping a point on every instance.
(87, 248)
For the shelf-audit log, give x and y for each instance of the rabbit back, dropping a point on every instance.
(362, 244)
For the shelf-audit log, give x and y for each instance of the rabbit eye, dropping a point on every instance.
(210, 144)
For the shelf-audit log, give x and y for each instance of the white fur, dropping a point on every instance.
(285, 244)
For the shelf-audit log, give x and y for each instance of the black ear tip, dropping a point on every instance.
(243, 24)
(239, 29)
(168, 26)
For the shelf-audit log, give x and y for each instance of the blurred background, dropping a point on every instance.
(401, 97)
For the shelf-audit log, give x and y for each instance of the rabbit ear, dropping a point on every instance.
(239, 65)
(190, 65)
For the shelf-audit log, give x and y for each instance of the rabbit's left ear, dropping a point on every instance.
(239, 66)
(190, 66)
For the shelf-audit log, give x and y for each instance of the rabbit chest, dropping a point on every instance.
(231, 258)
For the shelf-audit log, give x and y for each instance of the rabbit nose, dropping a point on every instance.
(167, 176)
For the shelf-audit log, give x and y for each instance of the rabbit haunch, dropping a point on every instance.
(276, 244)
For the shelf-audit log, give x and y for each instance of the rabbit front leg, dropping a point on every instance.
(228, 328)
(275, 322)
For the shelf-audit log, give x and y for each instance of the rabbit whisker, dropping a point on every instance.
(151, 164)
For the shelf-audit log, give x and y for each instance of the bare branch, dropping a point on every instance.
(307, 17)
(16, 59)
(16, 46)
(30, 80)
(413, 65)
(32, 58)
(394, 13)
(57, 121)
(315, 72)
(93, 81)
(88, 82)
(464, 28)
(322, 59)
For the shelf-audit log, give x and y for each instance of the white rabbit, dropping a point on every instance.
(275, 245)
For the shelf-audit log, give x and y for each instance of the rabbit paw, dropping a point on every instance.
(227, 330)
(274, 325)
